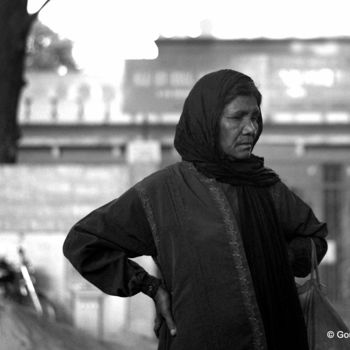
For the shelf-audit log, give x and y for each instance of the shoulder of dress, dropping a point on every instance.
(277, 189)
(159, 177)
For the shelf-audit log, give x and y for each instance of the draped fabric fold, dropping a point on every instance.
(272, 277)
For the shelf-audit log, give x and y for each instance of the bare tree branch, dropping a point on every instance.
(45, 3)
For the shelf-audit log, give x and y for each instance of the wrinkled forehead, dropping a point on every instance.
(244, 104)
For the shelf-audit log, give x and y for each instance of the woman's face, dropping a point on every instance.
(239, 126)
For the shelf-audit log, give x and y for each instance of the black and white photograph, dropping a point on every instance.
(174, 175)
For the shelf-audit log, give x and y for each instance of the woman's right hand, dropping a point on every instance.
(162, 300)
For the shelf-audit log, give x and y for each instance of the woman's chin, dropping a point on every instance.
(241, 154)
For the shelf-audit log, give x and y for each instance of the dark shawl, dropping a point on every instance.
(197, 133)
(197, 141)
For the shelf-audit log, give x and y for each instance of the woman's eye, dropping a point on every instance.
(236, 117)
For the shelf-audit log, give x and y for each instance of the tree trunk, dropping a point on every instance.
(15, 24)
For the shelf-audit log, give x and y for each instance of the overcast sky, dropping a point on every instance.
(109, 30)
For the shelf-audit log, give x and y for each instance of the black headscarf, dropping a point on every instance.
(197, 141)
(197, 133)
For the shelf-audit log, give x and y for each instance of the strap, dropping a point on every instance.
(314, 264)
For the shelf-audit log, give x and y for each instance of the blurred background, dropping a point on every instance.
(93, 106)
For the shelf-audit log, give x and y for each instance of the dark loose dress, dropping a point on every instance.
(226, 289)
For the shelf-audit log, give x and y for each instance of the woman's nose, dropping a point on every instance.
(250, 127)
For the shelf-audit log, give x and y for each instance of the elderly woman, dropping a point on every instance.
(227, 235)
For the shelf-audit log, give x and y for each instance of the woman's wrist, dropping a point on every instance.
(150, 285)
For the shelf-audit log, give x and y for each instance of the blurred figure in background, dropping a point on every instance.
(227, 234)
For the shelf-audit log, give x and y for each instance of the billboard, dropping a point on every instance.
(293, 74)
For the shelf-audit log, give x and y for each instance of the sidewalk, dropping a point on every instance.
(21, 328)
